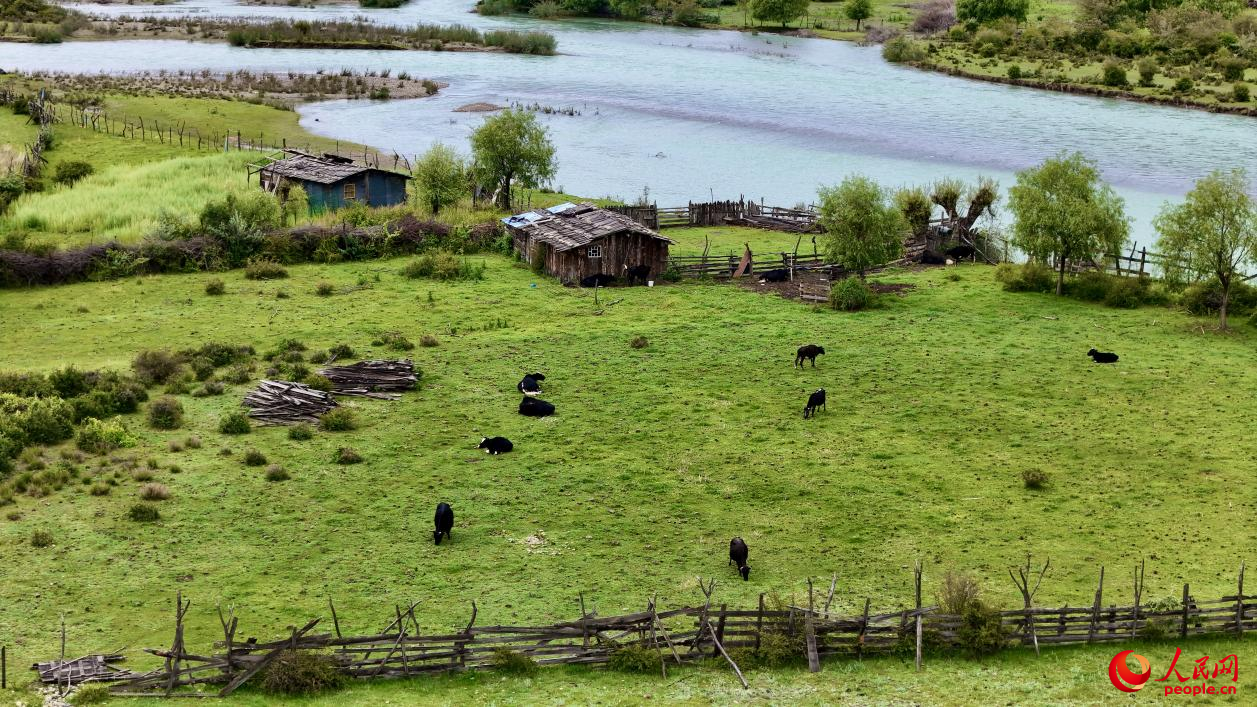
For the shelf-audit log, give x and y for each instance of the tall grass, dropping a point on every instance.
(124, 202)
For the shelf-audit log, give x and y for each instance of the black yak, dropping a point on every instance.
(496, 445)
(737, 555)
(444, 522)
(815, 401)
(1102, 356)
(778, 275)
(929, 257)
(535, 407)
(637, 273)
(599, 280)
(530, 385)
(808, 353)
(960, 252)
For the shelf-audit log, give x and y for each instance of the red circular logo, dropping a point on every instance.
(1121, 676)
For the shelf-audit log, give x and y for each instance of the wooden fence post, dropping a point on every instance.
(759, 622)
(917, 572)
(4, 667)
(1239, 604)
(1139, 590)
(1183, 629)
(1095, 608)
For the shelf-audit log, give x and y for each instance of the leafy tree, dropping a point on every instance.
(984, 11)
(440, 177)
(1213, 231)
(1066, 213)
(859, 10)
(916, 207)
(512, 147)
(949, 193)
(782, 11)
(863, 228)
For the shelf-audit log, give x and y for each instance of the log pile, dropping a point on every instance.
(384, 380)
(284, 402)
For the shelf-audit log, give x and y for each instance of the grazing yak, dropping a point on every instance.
(815, 401)
(496, 445)
(778, 275)
(809, 353)
(531, 385)
(444, 522)
(637, 273)
(960, 252)
(1102, 356)
(929, 257)
(599, 280)
(737, 555)
(535, 407)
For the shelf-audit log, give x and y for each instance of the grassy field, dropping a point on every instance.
(658, 455)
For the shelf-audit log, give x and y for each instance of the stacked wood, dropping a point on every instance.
(284, 402)
(89, 668)
(385, 380)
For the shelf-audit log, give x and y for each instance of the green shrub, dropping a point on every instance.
(1205, 298)
(639, 342)
(1183, 85)
(238, 374)
(285, 348)
(70, 172)
(144, 513)
(957, 593)
(317, 381)
(209, 388)
(1090, 286)
(192, 442)
(393, 340)
(1147, 68)
(850, 294)
(1029, 277)
(253, 457)
(180, 385)
(234, 423)
(1126, 292)
(155, 367)
(263, 269)
(202, 368)
(92, 693)
(301, 673)
(346, 455)
(300, 432)
(981, 632)
(142, 475)
(902, 49)
(1240, 93)
(36, 420)
(338, 420)
(215, 287)
(1113, 73)
(341, 352)
(634, 658)
(1034, 478)
(41, 538)
(324, 289)
(443, 265)
(154, 492)
(103, 436)
(429, 341)
(275, 472)
(165, 413)
(100, 489)
(510, 662)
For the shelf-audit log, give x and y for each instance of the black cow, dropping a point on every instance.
(1102, 356)
(778, 275)
(496, 445)
(808, 353)
(599, 280)
(815, 401)
(444, 522)
(535, 407)
(530, 384)
(929, 257)
(960, 252)
(737, 555)
(637, 273)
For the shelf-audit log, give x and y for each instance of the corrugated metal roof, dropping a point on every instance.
(569, 225)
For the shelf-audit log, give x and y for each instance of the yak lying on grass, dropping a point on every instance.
(1102, 356)
(496, 445)
(778, 275)
(531, 385)
(599, 280)
(535, 407)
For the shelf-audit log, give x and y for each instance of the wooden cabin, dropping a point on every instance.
(579, 240)
(330, 181)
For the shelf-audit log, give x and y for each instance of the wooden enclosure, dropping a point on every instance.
(574, 241)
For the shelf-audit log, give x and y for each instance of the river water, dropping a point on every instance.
(691, 114)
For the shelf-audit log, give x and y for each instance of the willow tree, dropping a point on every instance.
(512, 148)
(863, 229)
(1065, 213)
(964, 204)
(440, 178)
(1213, 231)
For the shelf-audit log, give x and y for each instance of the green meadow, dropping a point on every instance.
(938, 400)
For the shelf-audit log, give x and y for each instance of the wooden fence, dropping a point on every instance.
(725, 266)
(722, 213)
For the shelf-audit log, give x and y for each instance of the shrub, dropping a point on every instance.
(144, 513)
(510, 662)
(238, 374)
(1034, 478)
(300, 432)
(234, 423)
(179, 385)
(209, 388)
(1014, 72)
(301, 673)
(70, 172)
(155, 367)
(317, 381)
(92, 693)
(634, 658)
(215, 287)
(1090, 286)
(429, 341)
(285, 348)
(192, 442)
(100, 489)
(154, 492)
(903, 49)
(850, 295)
(1239, 93)
(639, 342)
(442, 265)
(1113, 73)
(340, 352)
(1183, 85)
(275, 472)
(346, 455)
(253, 457)
(142, 475)
(1205, 298)
(1126, 292)
(41, 538)
(41, 420)
(1147, 68)
(980, 632)
(165, 413)
(1029, 277)
(202, 368)
(393, 340)
(324, 289)
(958, 592)
(103, 436)
(263, 269)
(338, 420)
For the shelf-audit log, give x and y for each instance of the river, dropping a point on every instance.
(690, 114)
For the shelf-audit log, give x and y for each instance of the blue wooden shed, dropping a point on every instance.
(331, 181)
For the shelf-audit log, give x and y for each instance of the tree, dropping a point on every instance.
(862, 228)
(916, 207)
(1065, 213)
(440, 177)
(512, 147)
(984, 11)
(949, 193)
(1213, 231)
(782, 11)
(859, 10)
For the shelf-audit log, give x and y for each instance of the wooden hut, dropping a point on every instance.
(331, 181)
(579, 240)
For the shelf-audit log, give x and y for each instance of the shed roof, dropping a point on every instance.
(569, 225)
(323, 170)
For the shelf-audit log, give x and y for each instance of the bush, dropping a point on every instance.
(192, 442)
(300, 432)
(155, 367)
(639, 342)
(1126, 292)
(510, 662)
(209, 388)
(144, 513)
(103, 436)
(902, 49)
(317, 381)
(301, 673)
(850, 295)
(442, 265)
(275, 472)
(1239, 93)
(957, 593)
(1205, 298)
(1090, 286)
(101, 489)
(1183, 85)
(346, 455)
(338, 420)
(324, 289)
(1147, 68)
(1113, 73)
(239, 374)
(234, 423)
(634, 658)
(165, 413)
(341, 352)
(981, 631)
(262, 269)
(179, 385)
(1029, 277)
(142, 475)
(92, 693)
(41, 538)
(253, 457)
(1014, 72)
(1034, 478)
(429, 341)
(154, 492)
(215, 287)
(393, 340)
(70, 172)
(38, 420)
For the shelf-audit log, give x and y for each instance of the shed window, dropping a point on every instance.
(595, 251)
(351, 192)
